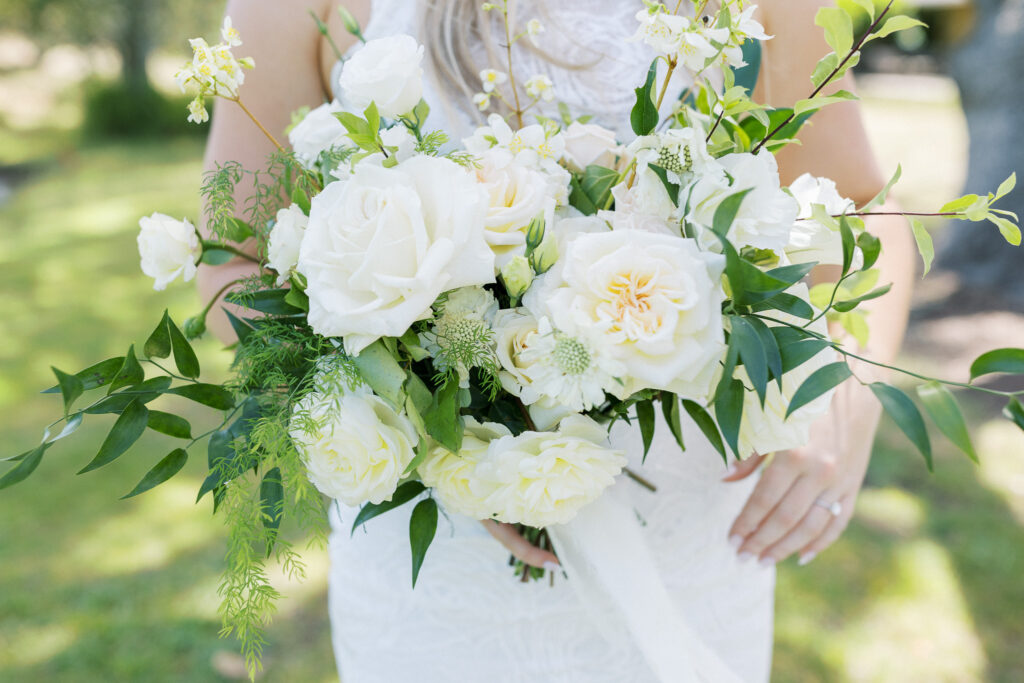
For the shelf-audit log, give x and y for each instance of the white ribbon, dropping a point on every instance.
(603, 552)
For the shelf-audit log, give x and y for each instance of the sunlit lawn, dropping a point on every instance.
(926, 586)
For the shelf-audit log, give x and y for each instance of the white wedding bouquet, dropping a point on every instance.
(460, 325)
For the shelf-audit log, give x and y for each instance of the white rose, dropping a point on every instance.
(587, 144)
(513, 328)
(385, 71)
(382, 245)
(453, 476)
(168, 248)
(544, 478)
(285, 240)
(317, 133)
(652, 302)
(516, 195)
(767, 213)
(355, 446)
(401, 139)
(809, 240)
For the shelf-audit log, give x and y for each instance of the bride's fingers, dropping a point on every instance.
(744, 468)
(774, 483)
(520, 548)
(809, 528)
(835, 528)
(785, 517)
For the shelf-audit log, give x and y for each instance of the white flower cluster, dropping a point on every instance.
(213, 72)
(699, 42)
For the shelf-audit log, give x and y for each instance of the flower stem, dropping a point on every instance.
(238, 101)
(511, 76)
(234, 250)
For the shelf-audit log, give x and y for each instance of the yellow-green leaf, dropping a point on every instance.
(924, 244)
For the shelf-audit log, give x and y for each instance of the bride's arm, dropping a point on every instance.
(290, 57)
(781, 516)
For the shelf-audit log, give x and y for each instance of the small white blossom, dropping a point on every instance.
(492, 78)
(533, 30)
(482, 101)
(197, 111)
(229, 34)
(540, 87)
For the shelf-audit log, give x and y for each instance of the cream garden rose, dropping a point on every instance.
(168, 248)
(354, 445)
(285, 241)
(453, 476)
(383, 244)
(386, 71)
(652, 302)
(516, 195)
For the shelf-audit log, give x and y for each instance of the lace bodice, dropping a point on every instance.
(596, 70)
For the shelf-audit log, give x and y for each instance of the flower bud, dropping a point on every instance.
(517, 275)
(535, 233)
(195, 327)
(351, 25)
(544, 256)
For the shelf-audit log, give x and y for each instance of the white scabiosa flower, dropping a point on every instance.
(461, 336)
(168, 248)
(386, 71)
(567, 369)
(492, 78)
(285, 241)
(540, 87)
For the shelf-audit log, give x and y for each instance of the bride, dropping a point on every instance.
(715, 535)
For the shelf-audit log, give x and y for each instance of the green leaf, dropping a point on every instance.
(70, 427)
(184, 357)
(129, 374)
(752, 354)
(797, 353)
(402, 495)
(381, 371)
(442, 418)
(870, 247)
(670, 410)
(821, 381)
(815, 103)
(906, 416)
(422, 527)
(729, 412)
(940, 404)
(670, 187)
(726, 212)
(824, 68)
(25, 467)
(579, 200)
(894, 24)
(211, 395)
(644, 116)
(271, 504)
(791, 274)
(297, 298)
(216, 257)
(787, 303)
(159, 343)
(868, 6)
(746, 77)
(597, 182)
(772, 354)
(882, 196)
(301, 199)
(70, 387)
(170, 465)
(850, 304)
(1014, 411)
(143, 393)
(924, 244)
(125, 432)
(838, 28)
(269, 301)
(1006, 187)
(707, 426)
(848, 241)
(241, 327)
(169, 424)
(1007, 228)
(1000, 360)
(645, 416)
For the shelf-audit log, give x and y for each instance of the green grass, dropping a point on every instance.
(924, 587)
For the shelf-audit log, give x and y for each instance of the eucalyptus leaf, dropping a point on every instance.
(422, 527)
(125, 432)
(907, 417)
(170, 465)
(402, 495)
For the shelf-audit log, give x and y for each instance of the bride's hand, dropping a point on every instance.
(520, 548)
(788, 511)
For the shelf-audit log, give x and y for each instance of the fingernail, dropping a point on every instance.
(735, 541)
(766, 562)
(745, 557)
(806, 558)
(552, 566)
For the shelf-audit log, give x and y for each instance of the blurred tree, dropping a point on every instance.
(989, 68)
(133, 27)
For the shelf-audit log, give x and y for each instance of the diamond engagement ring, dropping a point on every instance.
(835, 508)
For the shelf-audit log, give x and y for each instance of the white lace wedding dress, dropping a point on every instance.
(469, 619)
